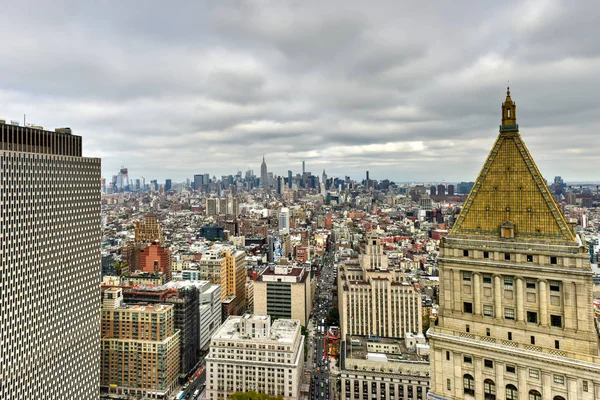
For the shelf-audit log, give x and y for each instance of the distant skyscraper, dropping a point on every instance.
(303, 168)
(198, 181)
(264, 176)
(51, 264)
(290, 179)
(441, 189)
(450, 190)
(432, 190)
(324, 181)
(168, 184)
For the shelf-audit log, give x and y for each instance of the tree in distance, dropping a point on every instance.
(253, 396)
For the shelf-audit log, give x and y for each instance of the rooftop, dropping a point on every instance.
(379, 349)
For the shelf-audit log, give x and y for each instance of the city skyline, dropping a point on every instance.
(344, 88)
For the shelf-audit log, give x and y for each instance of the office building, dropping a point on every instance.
(50, 233)
(432, 190)
(264, 176)
(198, 182)
(450, 190)
(384, 369)
(516, 316)
(284, 220)
(374, 299)
(212, 232)
(140, 348)
(289, 179)
(247, 353)
(168, 185)
(283, 291)
(226, 267)
(155, 258)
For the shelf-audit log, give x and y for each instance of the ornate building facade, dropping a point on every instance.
(516, 314)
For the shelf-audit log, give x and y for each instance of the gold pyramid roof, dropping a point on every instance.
(510, 199)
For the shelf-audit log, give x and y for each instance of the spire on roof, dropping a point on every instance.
(510, 198)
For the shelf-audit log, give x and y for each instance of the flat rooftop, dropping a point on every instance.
(282, 330)
(379, 349)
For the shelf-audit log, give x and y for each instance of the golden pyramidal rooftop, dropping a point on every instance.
(510, 199)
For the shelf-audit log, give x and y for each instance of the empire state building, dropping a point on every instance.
(264, 177)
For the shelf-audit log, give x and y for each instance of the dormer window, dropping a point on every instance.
(507, 230)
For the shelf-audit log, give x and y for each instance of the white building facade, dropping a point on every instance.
(247, 353)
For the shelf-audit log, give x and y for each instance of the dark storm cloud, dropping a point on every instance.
(409, 90)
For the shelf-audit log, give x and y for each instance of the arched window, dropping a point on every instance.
(535, 395)
(489, 390)
(469, 384)
(511, 392)
(559, 398)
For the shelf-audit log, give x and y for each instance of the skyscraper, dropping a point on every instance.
(198, 181)
(290, 179)
(284, 220)
(50, 251)
(264, 176)
(516, 316)
(168, 185)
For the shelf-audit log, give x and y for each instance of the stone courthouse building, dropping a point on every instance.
(516, 314)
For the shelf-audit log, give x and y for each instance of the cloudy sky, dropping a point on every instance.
(408, 90)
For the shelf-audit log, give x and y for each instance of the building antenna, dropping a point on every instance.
(24, 120)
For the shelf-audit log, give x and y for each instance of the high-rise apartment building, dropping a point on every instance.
(50, 235)
(374, 299)
(148, 230)
(140, 348)
(247, 353)
(284, 220)
(516, 317)
(212, 206)
(226, 267)
(441, 189)
(198, 181)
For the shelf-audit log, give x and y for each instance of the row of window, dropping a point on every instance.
(512, 393)
(530, 283)
(507, 257)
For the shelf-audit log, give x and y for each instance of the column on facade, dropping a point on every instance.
(477, 293)
(572, 388)
(457, 290)
(543, 303)
(478, 364)
(546, 383)
(498, 296)
(449, 296)
(500, 389)
(520, 306)
(570, 305)
(458, 374)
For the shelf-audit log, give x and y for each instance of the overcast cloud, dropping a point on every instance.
(409, 90)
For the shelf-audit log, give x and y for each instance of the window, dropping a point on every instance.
(558, 398)
(532, 317)
(508, 283)
(488, 363)
(489, 390)
(487, 332)
(488, 311)
(559, 379)
(448, 385)
(448, 355)
(468, 307)
(556, 321)
(486, 254)
(557, 345)
(510, 369)
(509, 335)
(530, 283)
(507, 256)
(466, 253)
(532, 339)
(467, 276)
(511, 392)
(534, 373)
(554, 286)
(534, 395)
(467, 328)
(585, 386)
(509, 313)
(553, 260)
(529, 258)
(487, 278)
(467, 360)
(469, 384)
